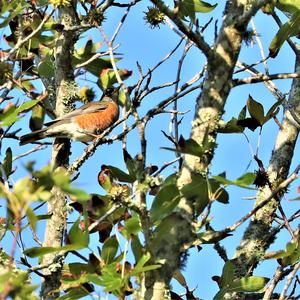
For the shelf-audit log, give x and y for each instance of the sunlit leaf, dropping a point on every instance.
(132, 226)
(32, 218)
(121, 175)
(109, 249)
(227, 274)
(287, 30)
(189, 8)
(46, 67)
(248, 284)
(244, 181)
(77, 236)
(165, 202)
(216, 192)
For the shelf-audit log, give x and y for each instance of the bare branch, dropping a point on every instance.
(263, 77)
(284, 184)
(289, 281)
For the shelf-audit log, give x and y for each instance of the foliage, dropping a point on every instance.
(146, 217)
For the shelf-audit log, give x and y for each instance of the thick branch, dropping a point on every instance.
(258, 237)
(222, 59)
(65, 87)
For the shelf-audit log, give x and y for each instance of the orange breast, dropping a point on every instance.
(98, 121)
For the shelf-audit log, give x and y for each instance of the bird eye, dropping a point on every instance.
(109, 91)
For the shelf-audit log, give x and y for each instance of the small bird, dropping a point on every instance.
(82, 124)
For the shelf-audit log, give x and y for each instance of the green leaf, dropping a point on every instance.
(26, 106)
(244, 181)
(227, 274)
(290, 28)
(256, 110)
(78, 269)
(231, 127)
(32, 218)
(108, 77)
(165, 202)
(88, 51)
(137, 271)
(242, 113)
(216, 192)
(189, 8)
(9, 117)
(248, 284)
(121, 175)
(143, 260)
(189, 146)
(7, 163)
(130, 164)
(46, 67)
(197, 191)
(40, 251)
(77, 236)
(132, 226)
(74, 293)
(62, 179)
(289, 6)
(290, 255)
(37, 117)
(273, 111)
(109, 249)
(14, 10)
(77, 194)
(137, 247)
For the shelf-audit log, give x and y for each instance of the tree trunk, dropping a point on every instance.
(65, 95)
(208, 112)
(258, 236)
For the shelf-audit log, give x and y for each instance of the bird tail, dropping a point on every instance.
(33, 136)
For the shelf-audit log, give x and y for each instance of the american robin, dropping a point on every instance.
(83, 123)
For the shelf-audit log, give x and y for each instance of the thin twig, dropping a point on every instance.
(261, 48)
(94, 57)
(21, 42)
(36, 148)
(289, 281)
(102, 218)
(281, 186)
(263, 77)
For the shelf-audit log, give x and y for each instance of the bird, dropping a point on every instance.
(82, 124)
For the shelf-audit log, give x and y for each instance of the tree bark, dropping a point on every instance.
(208, 112)
(65, 95)
(258, 236)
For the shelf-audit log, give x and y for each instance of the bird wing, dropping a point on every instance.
(85, 109)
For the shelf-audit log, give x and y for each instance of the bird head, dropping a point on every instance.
(112, 93)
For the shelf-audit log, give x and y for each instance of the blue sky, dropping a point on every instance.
(147, 46)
